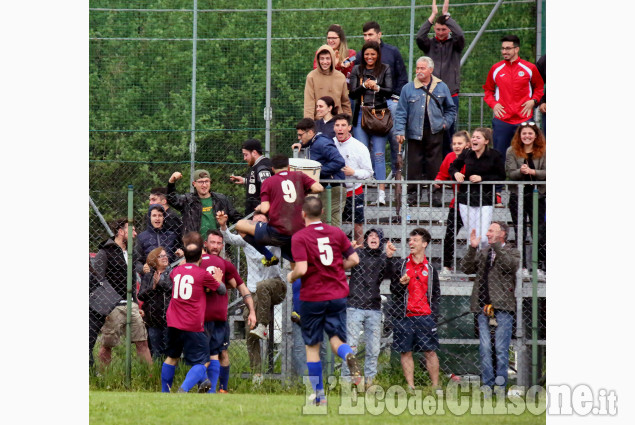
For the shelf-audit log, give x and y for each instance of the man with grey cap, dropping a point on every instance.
(199, 209)
(260, 169)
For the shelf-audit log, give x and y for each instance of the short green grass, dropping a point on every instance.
(115, 408)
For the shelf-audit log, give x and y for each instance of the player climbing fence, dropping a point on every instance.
(458, 352)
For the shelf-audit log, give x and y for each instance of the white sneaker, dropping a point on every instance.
(257, 379)
(381, 197)
(260, 331)
(445, 273)
(542, 276)
(526, 275)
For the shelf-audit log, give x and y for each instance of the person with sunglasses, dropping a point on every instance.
(526, 161)
(199, 209)
(513, 89)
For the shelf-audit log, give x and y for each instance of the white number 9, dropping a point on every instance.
(289, 191)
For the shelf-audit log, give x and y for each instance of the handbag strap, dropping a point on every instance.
(425, 89)
(362, 97)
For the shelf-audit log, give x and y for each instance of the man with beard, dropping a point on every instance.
(216, 325)
(260, 169)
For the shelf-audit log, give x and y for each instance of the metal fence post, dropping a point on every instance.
(480, 32)
(411, 41)
(534, 290)
(129, 292)
(268, 112)
(193, 122)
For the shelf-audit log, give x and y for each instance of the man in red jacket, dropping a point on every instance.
(513, 89)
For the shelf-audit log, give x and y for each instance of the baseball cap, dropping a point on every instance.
(200, 174)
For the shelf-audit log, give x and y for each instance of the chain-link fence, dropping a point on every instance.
(281, 354)
(179, 85)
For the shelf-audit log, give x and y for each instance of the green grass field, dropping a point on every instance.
(114, 408)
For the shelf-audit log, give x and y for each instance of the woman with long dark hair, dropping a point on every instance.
(476, 201)
(371, 83)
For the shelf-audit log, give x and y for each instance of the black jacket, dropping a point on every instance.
(396, 269)
(173, 222)
(490, 166)
(157, 300)
(258, 173)
(370, 97)
(367, 276)
(446, 54)
(152, 238)
(109, 264)
(391, 56)
(191, 208)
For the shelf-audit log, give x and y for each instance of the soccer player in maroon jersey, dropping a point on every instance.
(281, 198)
(185, 317)
(216, 326)
(322, 253)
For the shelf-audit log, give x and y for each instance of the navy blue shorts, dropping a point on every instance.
(193, 346)
(317, 317)
(416, 333)
(347, 214)
(267, 235)
(217, 333)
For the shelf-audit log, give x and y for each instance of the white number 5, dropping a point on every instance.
(326, 252)
(289, 191)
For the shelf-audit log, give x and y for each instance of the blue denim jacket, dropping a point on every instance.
(409, 115)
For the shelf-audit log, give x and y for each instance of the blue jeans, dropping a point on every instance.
(502, 338)
(158, 338)
(369, 321)
(378, 150)
(299, 352)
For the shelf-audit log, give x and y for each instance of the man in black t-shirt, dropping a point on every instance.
(260, 169)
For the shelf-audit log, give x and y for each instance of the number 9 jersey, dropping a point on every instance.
(187, 306)
(323, 247)
(285, 191)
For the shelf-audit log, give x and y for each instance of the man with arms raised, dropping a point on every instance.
(199, 208)
(322, 253)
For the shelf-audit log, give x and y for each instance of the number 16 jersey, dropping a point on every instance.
(187, 306)
(323, 247)
(285, 191)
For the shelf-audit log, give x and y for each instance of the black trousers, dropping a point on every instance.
(95, 322)
(424, 157)
(527, 221)
(448, 241)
